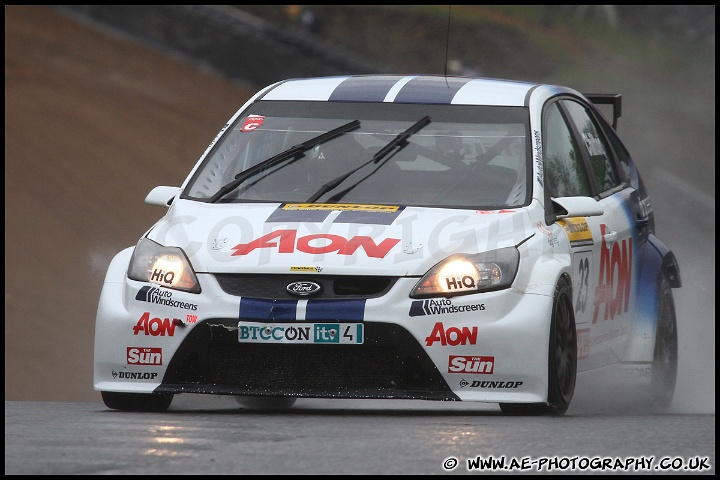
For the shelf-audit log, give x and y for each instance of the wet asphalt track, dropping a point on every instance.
(323, 437)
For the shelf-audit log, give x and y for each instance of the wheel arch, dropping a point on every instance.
(560, 387)
(661, 261)
(671, 270)
(657, 264)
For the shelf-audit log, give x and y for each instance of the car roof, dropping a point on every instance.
(423, 89)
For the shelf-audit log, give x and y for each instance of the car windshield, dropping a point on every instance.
(454, 156)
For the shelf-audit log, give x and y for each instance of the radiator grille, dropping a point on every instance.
(390, 364)
(334, 286)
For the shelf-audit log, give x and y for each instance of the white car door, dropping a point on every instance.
(579, 163)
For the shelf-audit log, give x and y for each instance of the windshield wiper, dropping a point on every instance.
(295, 152)
(397, 143)
(402, 139)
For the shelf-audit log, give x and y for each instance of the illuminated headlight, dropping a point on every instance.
(166, 266)
(464, 274)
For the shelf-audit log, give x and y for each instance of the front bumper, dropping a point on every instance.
(490, 347)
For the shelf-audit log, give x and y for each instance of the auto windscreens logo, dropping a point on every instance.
(160, 296)
(439, 307)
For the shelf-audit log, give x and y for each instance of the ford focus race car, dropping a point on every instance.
(396, 237)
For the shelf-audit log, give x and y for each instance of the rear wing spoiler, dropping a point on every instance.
(614, 99)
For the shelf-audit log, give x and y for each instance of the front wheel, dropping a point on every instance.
(562, 359)
(137, 402)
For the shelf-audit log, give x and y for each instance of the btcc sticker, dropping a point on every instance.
(578, 231)
(160, 296)
(441, 307)
(252, 122)
(144, 356)
(471, 364)
(345, 213)
(330, 333)
(315, 310)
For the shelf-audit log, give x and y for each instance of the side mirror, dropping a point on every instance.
(565, 207)
(161, 196)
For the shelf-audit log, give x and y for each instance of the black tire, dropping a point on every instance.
(266, 403)
(137, 402)
(562, 359)
(665, 358)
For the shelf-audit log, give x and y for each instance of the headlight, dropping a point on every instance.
(463, 274)
(166, 266)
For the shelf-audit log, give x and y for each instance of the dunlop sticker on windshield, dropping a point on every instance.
(347, 213)
(578, 231)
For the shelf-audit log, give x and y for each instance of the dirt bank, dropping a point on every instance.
(92, 121)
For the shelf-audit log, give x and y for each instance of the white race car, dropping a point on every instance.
(396, 237)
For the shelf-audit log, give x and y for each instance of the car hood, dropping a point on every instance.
(332, 239)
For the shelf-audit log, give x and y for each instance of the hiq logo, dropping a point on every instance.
(162, 276)
(466, 282)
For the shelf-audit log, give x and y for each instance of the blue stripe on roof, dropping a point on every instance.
(364, 89)
(424, 90)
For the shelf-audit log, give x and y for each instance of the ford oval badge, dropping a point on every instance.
(304, 289)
